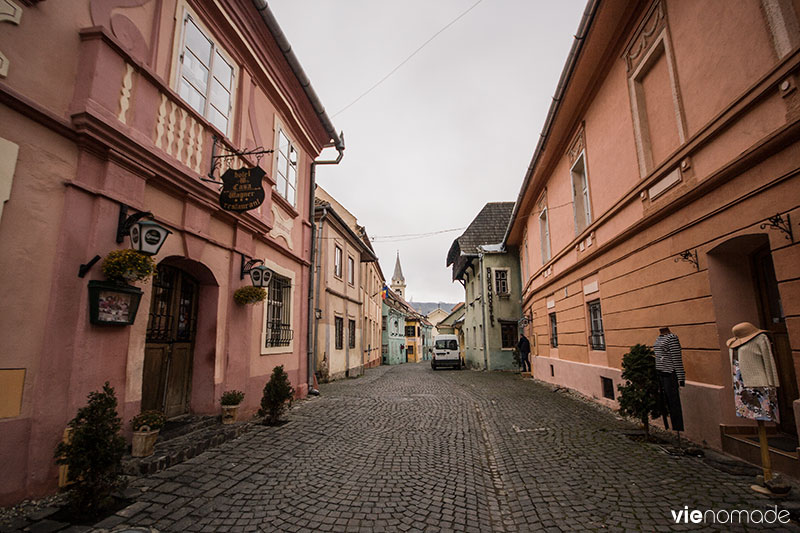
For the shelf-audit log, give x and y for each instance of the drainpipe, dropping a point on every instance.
(338, 142)
(312, 321)
(316, 257)
(483, 310)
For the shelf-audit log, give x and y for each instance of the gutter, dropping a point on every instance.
(286, 48)
(566, 75)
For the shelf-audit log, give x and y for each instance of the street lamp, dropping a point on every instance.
(148, 236)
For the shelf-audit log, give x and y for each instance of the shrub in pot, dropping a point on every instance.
(230, 404)
(146, 426)
(93, 454)
(278, 395)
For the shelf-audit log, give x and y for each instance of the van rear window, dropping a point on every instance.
(446, 345)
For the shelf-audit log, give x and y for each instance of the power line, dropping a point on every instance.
(410, 236)
(395, 69)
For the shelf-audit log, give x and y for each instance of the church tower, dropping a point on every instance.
(398, 281)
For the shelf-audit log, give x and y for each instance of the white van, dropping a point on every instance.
(445, 352)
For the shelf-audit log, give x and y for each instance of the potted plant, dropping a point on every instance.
(278, 395)
(115, 302)
(249, 295)
(146, 426)
(128, 265)
(230, 404)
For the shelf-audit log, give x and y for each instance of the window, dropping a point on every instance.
(205, 76)
(410, 349)
(351, 333)
(597, 338)
(286, 168)
(338, 323)
(553, 331)
(580, 195)
(383, 323)
(501, 281)
(508, 334)
(351, 268)
(337, 261)
(410, 331)
(396, 328)
(544, 232)
(279, 306)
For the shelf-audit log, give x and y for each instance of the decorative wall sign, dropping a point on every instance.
(242, 189)
(113, 303)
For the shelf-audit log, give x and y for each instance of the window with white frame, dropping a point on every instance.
(205, 76)
(278, 327)
(580, 195)
(351, 269)
(286, 167)
(501, 281)
(544, 231)
(337, 261)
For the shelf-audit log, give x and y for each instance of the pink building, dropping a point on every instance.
(106, 106)
(665, 191)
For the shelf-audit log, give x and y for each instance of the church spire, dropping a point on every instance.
(398, 272)
(398, 281)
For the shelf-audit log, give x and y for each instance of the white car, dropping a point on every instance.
(446, 352)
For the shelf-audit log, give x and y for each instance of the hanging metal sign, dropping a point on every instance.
(242, 189)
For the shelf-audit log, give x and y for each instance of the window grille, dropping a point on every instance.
(553, 331)
(351, 333)
(279, 306)
(597, 338)
(339, 333)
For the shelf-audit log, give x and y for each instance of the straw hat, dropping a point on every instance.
(743, 332)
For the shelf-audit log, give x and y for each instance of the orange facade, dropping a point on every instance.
(672, 140)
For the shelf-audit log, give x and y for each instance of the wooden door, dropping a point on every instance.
(774, 321)
(167, 372)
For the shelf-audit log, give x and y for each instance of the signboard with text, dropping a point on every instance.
(242, 189)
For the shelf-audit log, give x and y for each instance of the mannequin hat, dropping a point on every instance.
(743, 332)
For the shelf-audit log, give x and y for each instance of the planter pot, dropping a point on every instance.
(229, 413)
(144, 441)
(113, 303)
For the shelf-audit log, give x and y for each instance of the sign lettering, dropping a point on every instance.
(242, 189)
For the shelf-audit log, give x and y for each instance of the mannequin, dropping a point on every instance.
(671, 375)
(755, 379)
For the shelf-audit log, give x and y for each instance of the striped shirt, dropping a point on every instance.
(668, 355)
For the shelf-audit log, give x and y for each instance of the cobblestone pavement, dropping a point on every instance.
(406, 448)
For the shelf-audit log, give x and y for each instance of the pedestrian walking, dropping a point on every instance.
(524, 347)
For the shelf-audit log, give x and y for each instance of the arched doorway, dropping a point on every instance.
(745, 289)
(168, 356)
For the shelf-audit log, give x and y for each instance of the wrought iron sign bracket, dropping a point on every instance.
(84, 269)
(247, 265)
(125, 222)
(258, 151)
(690, 256)
(778, 223)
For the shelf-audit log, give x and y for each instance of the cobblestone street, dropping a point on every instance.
(406, 448)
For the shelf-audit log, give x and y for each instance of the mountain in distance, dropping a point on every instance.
(424, 308)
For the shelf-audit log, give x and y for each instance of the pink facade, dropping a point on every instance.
(97, 111)
(673, 139)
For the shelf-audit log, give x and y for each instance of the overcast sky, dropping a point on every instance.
(453, 128)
